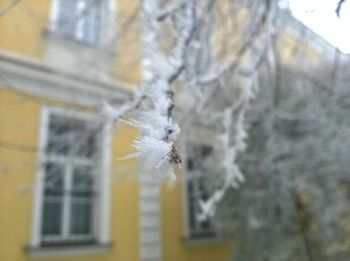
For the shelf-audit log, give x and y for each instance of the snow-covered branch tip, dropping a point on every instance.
(339, 7)
(233, 141)
(155, 144)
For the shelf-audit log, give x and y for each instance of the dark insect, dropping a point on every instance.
(174, 156)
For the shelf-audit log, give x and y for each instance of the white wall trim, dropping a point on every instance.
(69, 250)
(150, 218)
(53, 15)
(183, 144)
(112, 21)
(35, 78)
(38, 186)
(109, 19)
(105, 187)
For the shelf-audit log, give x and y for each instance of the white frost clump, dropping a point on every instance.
(157, 154)
(153, 151)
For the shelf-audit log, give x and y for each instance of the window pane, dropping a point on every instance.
(82, 200)
(85, 144)
(54, 179)
(69, 136)
(60, 136)
(52, 218)
(191, 205)
(82, 182)
(81, 217)
(91, 26)
(53, 199)
(67, 17)
(197, 154)
(80, 20)
(197, 189)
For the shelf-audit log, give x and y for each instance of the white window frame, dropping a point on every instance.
(102, 231)
(187, 178)
(107, 23)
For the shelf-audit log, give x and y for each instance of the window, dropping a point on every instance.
(71, 201)
(70, 179)
(79, 19)
(196, 190)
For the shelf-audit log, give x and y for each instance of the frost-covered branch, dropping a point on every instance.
(339, 7)
(155, 99)
(184, 27)
(258, 58)
(170, 9)
(158, 132)
(128, 107)
(257, 34)
(7, 8)
(233, 139)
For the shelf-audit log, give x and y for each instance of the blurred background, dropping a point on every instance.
(260, 92)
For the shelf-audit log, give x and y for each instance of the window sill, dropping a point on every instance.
(197, 241)
(59, 38)
(89, 249)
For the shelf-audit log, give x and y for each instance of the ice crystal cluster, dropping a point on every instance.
(153, 148)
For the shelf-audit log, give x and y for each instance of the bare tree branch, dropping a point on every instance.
(18, 147)
(9, 7)
(170, 9)
(339, 7)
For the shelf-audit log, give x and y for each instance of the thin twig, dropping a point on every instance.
(339, 7)
(18, 147)
(9, 7)
(169, 10)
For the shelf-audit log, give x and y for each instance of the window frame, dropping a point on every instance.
(100, 228)
(189, 235)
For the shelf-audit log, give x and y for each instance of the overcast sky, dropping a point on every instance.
(320, 16)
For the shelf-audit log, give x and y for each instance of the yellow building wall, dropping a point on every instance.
(127, 65)
(19, 125)
(294, 51)
(23, 27)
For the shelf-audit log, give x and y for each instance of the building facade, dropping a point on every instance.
(64, 193)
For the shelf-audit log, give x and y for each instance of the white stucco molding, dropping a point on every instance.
(36, 78)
